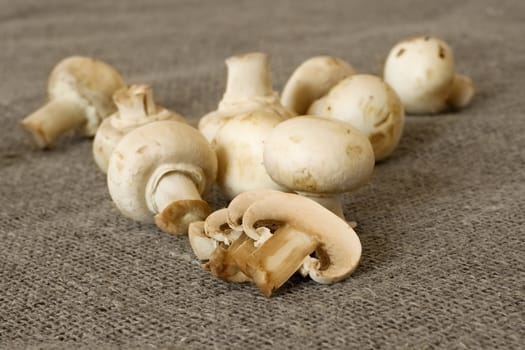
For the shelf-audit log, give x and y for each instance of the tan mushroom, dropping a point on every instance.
(368, 104)
(303, 227)
(421, 71)
(80, 91)
(136, 107)
(312, 80)
(159, 172)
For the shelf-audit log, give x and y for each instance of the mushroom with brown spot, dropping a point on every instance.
(80, 91)
(319, 158)
(159, 173)
(370, 105)
(136, 107)
(312, 80)
(421, 71)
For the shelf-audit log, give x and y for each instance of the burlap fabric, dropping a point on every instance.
(441, 223)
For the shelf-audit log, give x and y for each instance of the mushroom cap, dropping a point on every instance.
(312, 80)
(239, 145)
(339, 248)
(370, 105)
(151, 151)
(89, 82)
(318, 155)
(421, 71)
(120, 123)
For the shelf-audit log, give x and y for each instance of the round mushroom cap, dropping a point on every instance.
(239, 147)
(318, 155)
(370, 105)
(151, 151)
(421, 71)
(91, 83)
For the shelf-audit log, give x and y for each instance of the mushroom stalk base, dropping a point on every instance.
(53, 119)
(178, 203)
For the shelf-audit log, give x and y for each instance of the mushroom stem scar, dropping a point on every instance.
(53, 119)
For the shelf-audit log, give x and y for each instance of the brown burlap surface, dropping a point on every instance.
(441, 223)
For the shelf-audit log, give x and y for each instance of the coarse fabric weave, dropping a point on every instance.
(442, 222)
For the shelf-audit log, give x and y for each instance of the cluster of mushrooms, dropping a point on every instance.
(284, 161)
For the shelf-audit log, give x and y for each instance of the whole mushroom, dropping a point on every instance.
(368, 104)
(136, 107)
(319, 158)
(312, 80)
(80, 91)
(159, 172)
(421, 71)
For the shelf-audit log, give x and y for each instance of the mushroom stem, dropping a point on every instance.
(332, 203)
(135, 104)
(271, 265)
(248, 77)
(172, 187)
(461, 92)
(55, 118)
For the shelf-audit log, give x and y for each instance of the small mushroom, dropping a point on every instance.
(202, 245)
(421, 71)
(319, 158)
(159, 172)
(248, 89)
(80, 91)
(303, 227)
(136, 107)
(370, 105)
(312, 80)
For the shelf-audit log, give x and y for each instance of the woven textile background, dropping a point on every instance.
(442, 222)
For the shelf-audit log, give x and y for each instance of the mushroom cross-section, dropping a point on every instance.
(159, 172)
(319, 158)
(80, 91)
(421, 71)
(303, 227)
(136, 107)
(368, 104)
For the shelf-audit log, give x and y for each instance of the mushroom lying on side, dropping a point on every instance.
(421, 71)
(80, 91)
(368, 104)
(312, 80)
(319, 158)
(159, 172)
(136, 107)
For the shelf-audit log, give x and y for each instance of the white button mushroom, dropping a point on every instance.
(159, 171)
(312, 80)
(421, 71)
(302, 227)
(319, 158)
(136, 107)
(80, 91)
(370, 105)
(248, 89)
